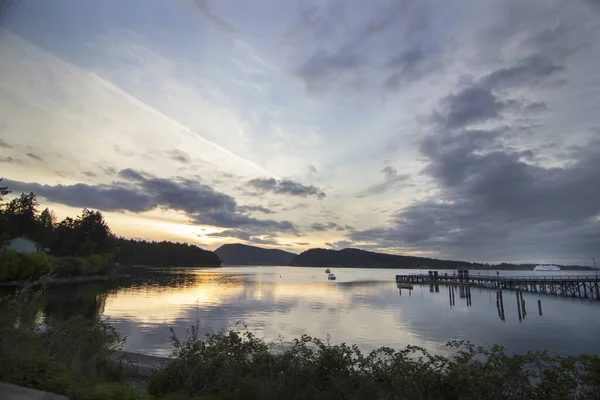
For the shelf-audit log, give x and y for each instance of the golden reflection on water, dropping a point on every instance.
(269, 305)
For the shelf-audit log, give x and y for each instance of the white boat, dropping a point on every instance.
(327, 271)
(546, 268)
(331, 277)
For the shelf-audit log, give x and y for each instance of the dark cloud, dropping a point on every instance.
(89, 174)
(285, 186)
(102, 197)
(312, 169)
(142, 192)
(302, 243)
(529, 71)
(319, 227)
(131, 175)
(494, 202)
(261, 209)
(179, 156)
(35, 157)
(471, 105)
(4, 144)
(392, 180)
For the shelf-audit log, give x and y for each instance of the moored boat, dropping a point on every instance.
(546, 268)
(327, 271)
(331, 277)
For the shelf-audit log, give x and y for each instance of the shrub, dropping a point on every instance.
(69, 266)
(236, 365)
(99, 264)
(22, 266)
(64, 357)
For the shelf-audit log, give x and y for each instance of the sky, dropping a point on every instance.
(459, 130)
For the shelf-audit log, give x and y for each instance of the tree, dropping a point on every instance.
(87, 234)
(3, 223)
(46, 224)
(3, 191)
(21, 215)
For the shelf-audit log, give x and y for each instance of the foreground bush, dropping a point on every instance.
(65, 357)
(21, 266)
(237, 365)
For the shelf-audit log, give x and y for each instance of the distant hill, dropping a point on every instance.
(363, 258)
(241, 254)
(368, 259)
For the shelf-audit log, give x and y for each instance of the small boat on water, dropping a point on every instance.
(546, 268)
(331, 277)
(327, 271)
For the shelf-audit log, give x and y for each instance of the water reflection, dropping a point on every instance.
(362, 307)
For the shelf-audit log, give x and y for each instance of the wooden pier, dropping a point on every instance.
(581, 286)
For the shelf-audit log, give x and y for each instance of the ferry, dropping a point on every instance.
(546, 268)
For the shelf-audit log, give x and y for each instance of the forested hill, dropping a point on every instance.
(141, 252)
(362, 258)
(241, 254)
(369, 259)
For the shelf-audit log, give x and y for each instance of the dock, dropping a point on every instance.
(581, 286)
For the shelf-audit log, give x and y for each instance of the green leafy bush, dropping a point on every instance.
(99, 264)
(69, 357)
(21, 266)
(237, 365)
(69, 266)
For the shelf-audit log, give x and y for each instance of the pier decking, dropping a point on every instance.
(582, 286)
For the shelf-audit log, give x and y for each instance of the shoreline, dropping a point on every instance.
(71, 279)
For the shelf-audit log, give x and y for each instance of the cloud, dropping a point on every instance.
(529, 71)
(35, 157)
(319, 70)
(471, 105)
(4, 144)
(319, 227)
(246, 209)
(89, 174)
(495, 203)
(130, 174)
(285, 186)
(143, 192)
(409, 66)
(216, 21)
(179, 156)
(102, 197)
(391, 180)
(339, 245)
(10, 160)
(252, 237)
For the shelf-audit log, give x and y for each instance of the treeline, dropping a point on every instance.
(84, 245)
(362, 259)
(368, 259)
(141, 252)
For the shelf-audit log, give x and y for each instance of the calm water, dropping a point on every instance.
(363, 307)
